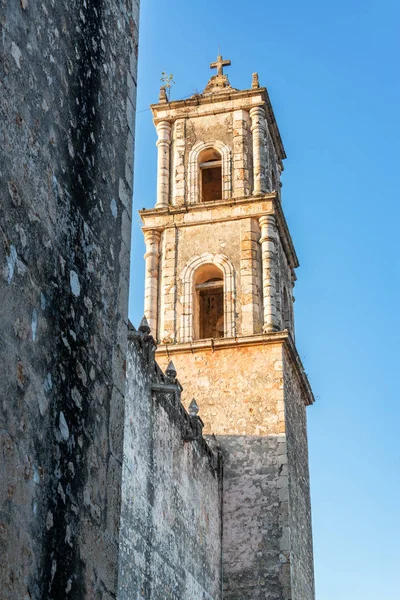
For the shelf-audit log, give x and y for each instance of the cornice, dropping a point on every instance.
(171, 111)
(173, 216)
(206, 206)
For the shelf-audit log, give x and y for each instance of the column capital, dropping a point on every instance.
(257, 113)
(152, 237)
(152, 234)
(164, 129)
(267, 220)
(257, 110)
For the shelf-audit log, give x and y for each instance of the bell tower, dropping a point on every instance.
(220, 271)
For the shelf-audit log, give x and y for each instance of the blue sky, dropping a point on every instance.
(332, 72)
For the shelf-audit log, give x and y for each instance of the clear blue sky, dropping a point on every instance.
(332, 71)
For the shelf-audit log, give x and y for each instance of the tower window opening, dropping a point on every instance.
(210, 164)
(286, 316)
(209, 305)
(273, 180)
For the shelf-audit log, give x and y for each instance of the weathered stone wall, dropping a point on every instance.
(171, 519)
(207, 129)
(256, 547)
(240, 393)
(67, 103)
(301, 556)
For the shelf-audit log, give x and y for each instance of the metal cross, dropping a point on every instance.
(220, 64)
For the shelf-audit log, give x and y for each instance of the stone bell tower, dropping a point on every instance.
(220, 269)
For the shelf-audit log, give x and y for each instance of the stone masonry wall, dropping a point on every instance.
(240, 393)
(171, 503)
(67, 104)
(302, 567)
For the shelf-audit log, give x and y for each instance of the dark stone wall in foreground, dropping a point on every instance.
(67, 105)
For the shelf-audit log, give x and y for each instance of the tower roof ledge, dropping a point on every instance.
(223, 100)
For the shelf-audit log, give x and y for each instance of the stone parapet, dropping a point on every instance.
(170, 542)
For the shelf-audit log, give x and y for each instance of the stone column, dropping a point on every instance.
(257, 116)
(163, 143)
(269, 255)
(152, 241)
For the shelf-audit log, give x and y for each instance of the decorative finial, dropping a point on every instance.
(219, 64)
(193, 408)
(144, 325)
(163, 95)
(254, 82)
(170, 371)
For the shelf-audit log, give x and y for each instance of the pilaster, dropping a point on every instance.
(152, 241)
(257, 115)
(167, 323)
(178, 169)
(163, 166)
(269, 256)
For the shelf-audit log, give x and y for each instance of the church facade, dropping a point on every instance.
(220, 271)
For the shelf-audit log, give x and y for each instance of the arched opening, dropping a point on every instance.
(210, 164)
(209, 302)
(200, 269)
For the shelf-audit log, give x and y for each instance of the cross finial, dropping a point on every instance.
(219, 64)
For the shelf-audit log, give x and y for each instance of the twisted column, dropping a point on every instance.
(269, 256)
(163, 163)
(257, 116)
(152, 241)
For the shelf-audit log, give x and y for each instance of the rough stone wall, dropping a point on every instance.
(67, 103)
(208, 129)
(170, 525)
(242, 163)
(251, 399)
(302, 576)
(248, 403)
(240, 393)
(255, 535)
